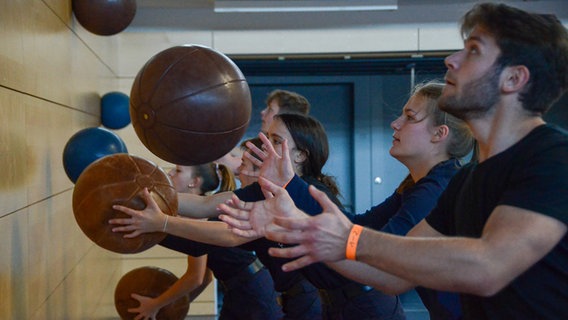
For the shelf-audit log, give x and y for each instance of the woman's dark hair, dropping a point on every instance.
(310, 137)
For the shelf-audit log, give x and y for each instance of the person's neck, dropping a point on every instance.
(419, 168)
(502, 128)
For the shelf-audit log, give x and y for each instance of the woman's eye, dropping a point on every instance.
(473, 50)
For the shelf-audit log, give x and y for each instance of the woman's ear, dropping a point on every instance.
(300, 156)
(441, 133)
(197, 182)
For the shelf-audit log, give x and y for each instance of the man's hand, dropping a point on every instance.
(321, 238)
(253, 219)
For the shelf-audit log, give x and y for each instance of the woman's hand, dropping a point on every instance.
(274, 167)
(147, 310)
(151, 219)
(254, 219)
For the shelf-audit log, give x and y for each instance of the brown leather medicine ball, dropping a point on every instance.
(120, 179)
(104, 17)
(190, 105)
(148, 282)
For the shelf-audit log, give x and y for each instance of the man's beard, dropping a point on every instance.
(477, 98)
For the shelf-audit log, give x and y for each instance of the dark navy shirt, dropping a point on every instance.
(224, 262)
(402, 211)
(397, 215)
(318, 274)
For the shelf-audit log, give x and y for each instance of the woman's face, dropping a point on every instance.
(413, 131)
(268, 114)
(277, 133)
(232, 160)
(247, 165)
(183, 179)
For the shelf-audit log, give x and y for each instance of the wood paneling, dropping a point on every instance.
(51, 80)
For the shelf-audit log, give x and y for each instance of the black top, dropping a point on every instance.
(533, 175)
(223, 262)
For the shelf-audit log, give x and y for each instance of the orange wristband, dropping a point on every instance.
(287, 183)
(352, 241)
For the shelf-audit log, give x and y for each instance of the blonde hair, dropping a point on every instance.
(460, 138)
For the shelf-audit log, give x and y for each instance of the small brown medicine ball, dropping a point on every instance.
(120, 179)
(148, 282)
(190, 105)
(104, 17)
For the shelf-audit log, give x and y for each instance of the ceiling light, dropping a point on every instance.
(304, 6)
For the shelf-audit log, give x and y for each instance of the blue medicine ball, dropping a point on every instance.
(88, 145)
(115, 113)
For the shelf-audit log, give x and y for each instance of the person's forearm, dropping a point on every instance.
(207, 278)
(371, 276)
(448, 264)
(210, 232)
(189, 282)
(196, 206)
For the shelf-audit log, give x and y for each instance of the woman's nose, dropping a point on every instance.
(395, 125)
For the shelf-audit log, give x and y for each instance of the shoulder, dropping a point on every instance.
(438, 177)
(545, 138)
(322, 187)
(544, 147)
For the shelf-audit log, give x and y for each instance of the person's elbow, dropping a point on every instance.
(483, 282)
(393, 287)
(207, 278)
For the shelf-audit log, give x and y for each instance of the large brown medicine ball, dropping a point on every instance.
(148, 282)
(190, 105)
(104, 17)
(120, 179)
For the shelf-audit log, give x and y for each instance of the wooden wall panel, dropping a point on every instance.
(13, 156)
(43, 57)
(86, 293)
(51, 79)
(14, 266)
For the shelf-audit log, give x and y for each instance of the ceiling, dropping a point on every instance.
(184, 15)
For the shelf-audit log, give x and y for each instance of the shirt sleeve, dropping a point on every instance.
(378, 216)
(401, 212)
(542, 185)
(416, 204)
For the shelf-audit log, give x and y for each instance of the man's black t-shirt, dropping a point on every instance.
(532, 175)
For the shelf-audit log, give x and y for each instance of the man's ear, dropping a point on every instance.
(441, 133)
(515, 78)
